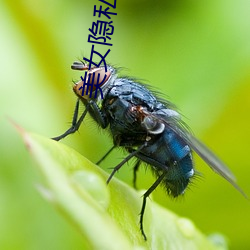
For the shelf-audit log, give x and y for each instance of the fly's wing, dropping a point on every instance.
(212, 160)
(175, 124)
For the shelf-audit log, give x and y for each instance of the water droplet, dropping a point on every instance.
(94, 185)
(187, 227)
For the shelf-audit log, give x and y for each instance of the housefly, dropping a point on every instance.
(149, 128)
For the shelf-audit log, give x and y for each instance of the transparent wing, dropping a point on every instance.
(208, 156)
(175, 124)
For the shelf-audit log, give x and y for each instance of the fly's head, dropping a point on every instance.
(94, 82)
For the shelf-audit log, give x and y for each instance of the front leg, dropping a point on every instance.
(95, 112)
(75, 124)
(98, 115)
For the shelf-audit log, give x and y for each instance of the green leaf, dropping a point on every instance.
(106, 215)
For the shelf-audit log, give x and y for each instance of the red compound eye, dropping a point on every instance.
(98, 73)
(96, 77)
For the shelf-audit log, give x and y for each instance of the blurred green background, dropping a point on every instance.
(195, 52)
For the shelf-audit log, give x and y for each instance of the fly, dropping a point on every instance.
(149, 128)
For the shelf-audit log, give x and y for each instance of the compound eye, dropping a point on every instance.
(98, 77)
(92, 80)
(95, 76)
(153, 126)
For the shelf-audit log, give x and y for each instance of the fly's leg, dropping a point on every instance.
(135, 169)
(97, 114)
(125, 160)
(75, 124)
(91, 107)
(105, 155)
(145, 196)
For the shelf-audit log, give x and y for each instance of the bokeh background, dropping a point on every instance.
(195, 52)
